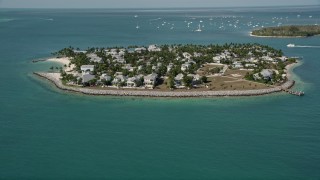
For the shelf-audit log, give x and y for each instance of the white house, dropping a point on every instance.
(106, 77)
(186, 55)
(140, 50)
(185, 66)
(237, 65)
(250, 65)
(87, 69)
(119, 79)
(79, 51)
(178, 80)
(154, 48)
(150, 80)
(132, 82)
(196, 78)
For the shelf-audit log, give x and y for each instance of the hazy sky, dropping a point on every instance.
(147, 3)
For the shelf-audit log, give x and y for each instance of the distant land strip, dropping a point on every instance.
(288, 31)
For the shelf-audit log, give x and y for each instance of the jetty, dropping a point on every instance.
(38, 60)
(296, 93)
(286, 88)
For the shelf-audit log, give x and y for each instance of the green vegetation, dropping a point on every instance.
(289, 31)
(175, 66)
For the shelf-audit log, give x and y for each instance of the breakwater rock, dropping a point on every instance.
(142, 93)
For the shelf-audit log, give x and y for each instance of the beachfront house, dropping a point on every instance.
(140, 49)
(196, 79)
(132, 82)
(87, 69)
(105, 77)
(150, 80)
(79, 51)
(178, 80)
(154, 48)
(119, 79)
(87, 77)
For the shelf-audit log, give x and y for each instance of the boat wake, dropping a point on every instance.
(307, 46)
(299, 46)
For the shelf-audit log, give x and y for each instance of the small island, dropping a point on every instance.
(288, 31)
(172, 70)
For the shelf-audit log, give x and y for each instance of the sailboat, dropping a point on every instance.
(137, 27)
(199, 29)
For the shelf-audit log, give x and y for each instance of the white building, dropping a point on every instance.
(119, 79)
(106, 77)
(154, 48)
(178, 80)
(140, 49)
(237, 65)
(185, 66)
(150, 80)
(87, 69)
(186, 55)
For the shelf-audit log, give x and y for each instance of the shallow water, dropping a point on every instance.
(47, 133)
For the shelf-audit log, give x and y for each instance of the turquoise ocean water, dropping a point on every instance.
(47, 133)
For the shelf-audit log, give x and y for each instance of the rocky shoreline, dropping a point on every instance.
(54, 79)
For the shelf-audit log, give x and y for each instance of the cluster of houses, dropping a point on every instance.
(228, 58)
(248, 63)
(118, 79)
(148, 81)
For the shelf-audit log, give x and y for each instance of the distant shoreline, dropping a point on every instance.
(54, 78)
(288, 31)
(250, 33)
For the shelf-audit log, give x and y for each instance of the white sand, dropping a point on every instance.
(64, 61)
(289, 69)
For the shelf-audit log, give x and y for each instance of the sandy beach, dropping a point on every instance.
(289, 69)
(64, 61)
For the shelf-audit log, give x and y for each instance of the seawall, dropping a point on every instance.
(54, 79)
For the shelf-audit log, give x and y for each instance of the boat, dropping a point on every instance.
(199, 29)
(291, 45)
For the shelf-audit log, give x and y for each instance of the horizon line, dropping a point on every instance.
(199, 7)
